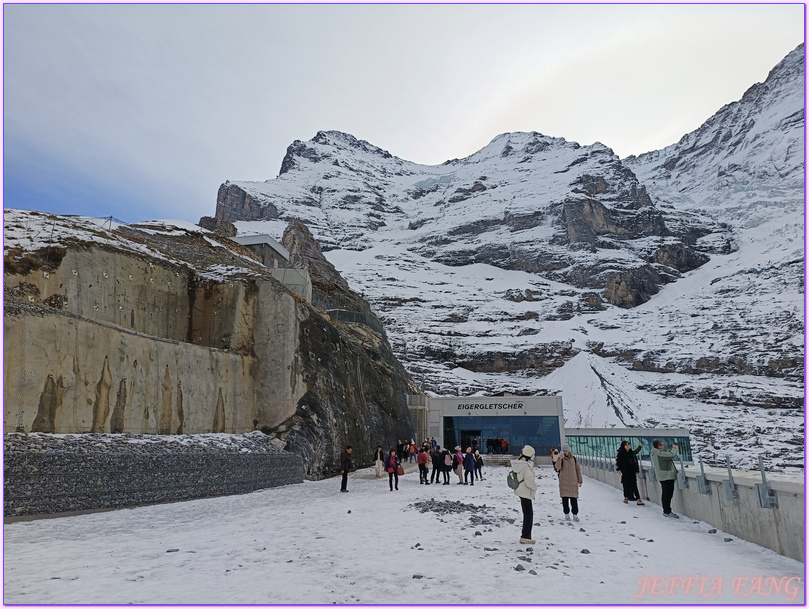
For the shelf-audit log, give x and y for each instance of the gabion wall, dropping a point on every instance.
(47, 474)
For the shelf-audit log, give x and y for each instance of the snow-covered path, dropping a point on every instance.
(309, 543)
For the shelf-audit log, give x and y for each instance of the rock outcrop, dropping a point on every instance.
(154, 329)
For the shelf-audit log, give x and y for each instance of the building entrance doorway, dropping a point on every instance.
(467, 438)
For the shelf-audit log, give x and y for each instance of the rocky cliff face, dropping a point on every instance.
(526, 202)
(173, 330)
(671, 283)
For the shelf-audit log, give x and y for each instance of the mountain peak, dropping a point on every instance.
(326, 145)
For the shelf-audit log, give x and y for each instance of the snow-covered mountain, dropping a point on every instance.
(665, 289)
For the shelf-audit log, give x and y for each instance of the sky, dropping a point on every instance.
(309, 543)
(142, 111)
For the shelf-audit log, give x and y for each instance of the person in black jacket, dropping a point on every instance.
(345, 464)
(627, 465)
(436, 457)
(446, 468)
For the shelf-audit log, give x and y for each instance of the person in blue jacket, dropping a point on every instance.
(469, 466)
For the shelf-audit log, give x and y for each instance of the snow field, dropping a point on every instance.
(309, 543)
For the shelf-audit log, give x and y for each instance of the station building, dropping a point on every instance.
(456, 421)
(535, 420)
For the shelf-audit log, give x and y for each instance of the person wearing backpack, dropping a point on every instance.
(446, 464)
(523, 468)
(478, 465)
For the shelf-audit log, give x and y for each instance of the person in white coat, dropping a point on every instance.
(526, 491)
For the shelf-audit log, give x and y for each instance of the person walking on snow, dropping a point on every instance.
(627, 465)
(523, 466)
(345, 465)
(379, 460)
(666, 473)
(392, 467)
(412, 450)
(469, 466)
(569, 480)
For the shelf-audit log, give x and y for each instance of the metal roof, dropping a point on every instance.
(262, 240)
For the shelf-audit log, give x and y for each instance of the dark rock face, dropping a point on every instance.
(221, 227)
(233, 203)
(680, 257)
(587, 219)
(305, 253)
(539, 360)
(355, 395)
(355, 385)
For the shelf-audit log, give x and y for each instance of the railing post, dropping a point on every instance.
(767, 498)
(682, 481)
(731, 493)
(702, 483)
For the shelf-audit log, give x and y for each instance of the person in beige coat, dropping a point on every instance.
(458, 464)
(569, 480)
(526, 491)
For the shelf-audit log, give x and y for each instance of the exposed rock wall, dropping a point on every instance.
(111, 341)
(65, 374)
(233, 203)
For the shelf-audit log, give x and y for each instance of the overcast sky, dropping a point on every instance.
(142, 111)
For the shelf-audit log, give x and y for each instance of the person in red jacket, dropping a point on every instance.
(423, 459)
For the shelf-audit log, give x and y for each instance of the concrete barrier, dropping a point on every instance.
(780, 529)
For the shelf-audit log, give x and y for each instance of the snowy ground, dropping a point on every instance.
(309, 543)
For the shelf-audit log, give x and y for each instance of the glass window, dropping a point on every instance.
(541, 432)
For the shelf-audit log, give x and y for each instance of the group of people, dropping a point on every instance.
(435, 463)
(468, 466)
(569, 473)
(626, 463)
(497, 446)
(570, 479)
(408, 450)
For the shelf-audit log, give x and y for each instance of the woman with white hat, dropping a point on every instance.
(526, 491)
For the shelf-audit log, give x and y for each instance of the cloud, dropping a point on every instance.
(162, 103)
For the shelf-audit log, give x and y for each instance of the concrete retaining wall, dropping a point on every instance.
(53, 482)
(780, 529)
(66, 374)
